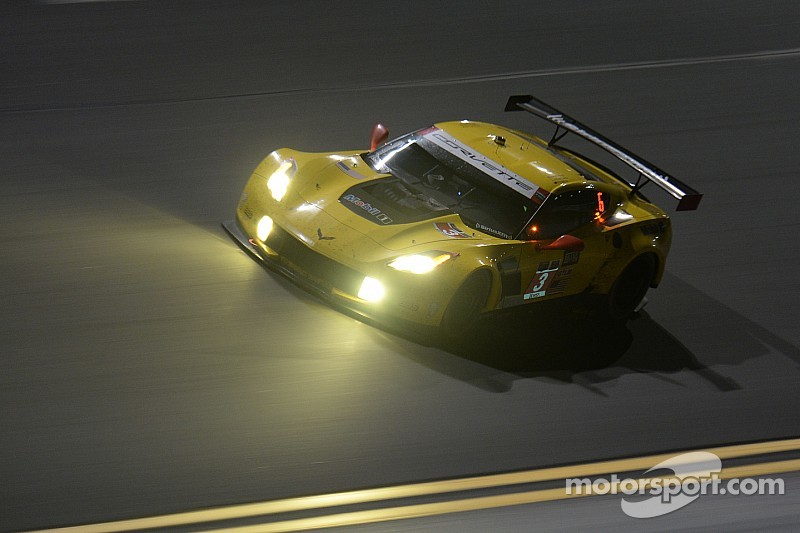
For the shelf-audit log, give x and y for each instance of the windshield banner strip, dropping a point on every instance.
(481, 162)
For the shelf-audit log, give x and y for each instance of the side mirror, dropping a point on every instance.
(380, 134)
(567, 243)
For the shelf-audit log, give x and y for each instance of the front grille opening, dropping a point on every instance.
(333, 274)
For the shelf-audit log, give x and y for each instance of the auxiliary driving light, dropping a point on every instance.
(278, 182)
(371, 290)
(264, 228)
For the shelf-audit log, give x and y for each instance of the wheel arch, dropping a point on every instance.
(660, 264)
(650, 254)
(609, 272)
(630, 285)
(485, 273)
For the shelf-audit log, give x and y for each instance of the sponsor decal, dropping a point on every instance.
(411, 306)
(571, 258)
(481, 162)
(374, 211)
(448, 229)
(492, 231)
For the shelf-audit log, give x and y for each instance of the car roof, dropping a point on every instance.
(523, 155)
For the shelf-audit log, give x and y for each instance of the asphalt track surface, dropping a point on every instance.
(148, 366)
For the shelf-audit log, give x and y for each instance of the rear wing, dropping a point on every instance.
(688, 198)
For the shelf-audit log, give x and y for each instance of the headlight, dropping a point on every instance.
(264, 228)
(278, 182)
(371, 290)
(421, 263)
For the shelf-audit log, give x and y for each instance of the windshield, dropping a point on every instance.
(494, 201)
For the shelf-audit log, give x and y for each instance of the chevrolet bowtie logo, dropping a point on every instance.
(323, 237)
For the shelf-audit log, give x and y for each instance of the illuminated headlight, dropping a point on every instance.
(264, 228)
(421, 263)
(371, 290)
(278, 182)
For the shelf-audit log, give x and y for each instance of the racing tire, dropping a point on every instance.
(630, 287)
(466, 304)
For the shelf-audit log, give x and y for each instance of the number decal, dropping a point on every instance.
(542, 279)
(551, 277)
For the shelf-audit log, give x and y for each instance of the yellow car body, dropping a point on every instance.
(347, 226)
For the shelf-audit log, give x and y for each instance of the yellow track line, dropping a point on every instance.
(420, 489)
(482, 503)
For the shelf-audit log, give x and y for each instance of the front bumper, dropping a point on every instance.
(323, 277)
(305, 267)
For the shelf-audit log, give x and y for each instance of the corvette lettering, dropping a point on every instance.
(481, 162)
(374, 211)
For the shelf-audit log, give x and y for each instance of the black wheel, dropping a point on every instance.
(465, 306)
(630, 287)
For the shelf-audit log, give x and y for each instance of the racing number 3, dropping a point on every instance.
(542, 280)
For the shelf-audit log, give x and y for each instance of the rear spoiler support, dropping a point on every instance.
(688, 198)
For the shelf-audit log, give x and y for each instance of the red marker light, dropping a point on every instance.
(379, 135)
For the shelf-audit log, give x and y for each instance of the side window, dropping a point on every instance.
(567, 212)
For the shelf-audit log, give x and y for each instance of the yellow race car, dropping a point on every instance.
(458, 219)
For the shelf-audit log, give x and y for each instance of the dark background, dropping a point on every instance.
(148, 366)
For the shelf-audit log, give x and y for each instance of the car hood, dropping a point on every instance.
(333, 209)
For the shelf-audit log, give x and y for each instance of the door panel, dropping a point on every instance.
(550, 273)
